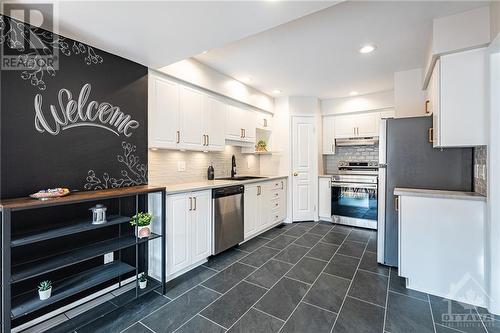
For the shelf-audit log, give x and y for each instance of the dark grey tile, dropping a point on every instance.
(228, 278)
(232, 305)
(292, 254)
(125, 316)
(297, 231)
(442, 308)
(443, 329)
(372, 245)
(308, 318)
(328, 292)
(137, 328)
(183, 283)
(369, 287)
(83, 319)
(225, 259)
(492, 326)
(253, 244)
(308, 240)
(272, 233)
(406, 314)
(486, 314)
(343, 229)
(342, 266)
(282, 299)
(281, 242)
(255, 321)
(269, 273)
(200, 324)
(173, 315)
(398, 284)
(359, 235)
(306, 270)
(369, 263)
(287, 226)
(334, 238)
(321, 229)
(323, 251)
(308, 224)
(353, 249)
(360, 317)
(259, 256)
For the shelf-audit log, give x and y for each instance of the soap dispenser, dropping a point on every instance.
(210, 172)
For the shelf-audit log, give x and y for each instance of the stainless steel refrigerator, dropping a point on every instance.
(407, 159)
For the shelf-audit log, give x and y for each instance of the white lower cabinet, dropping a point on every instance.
(189, 238)
(265, 206)
(325, 199)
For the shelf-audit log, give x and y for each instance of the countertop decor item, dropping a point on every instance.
(210, 172)
(142, 221)
(98, 214)
(45, 289)
(261, 146)
(50, 193)
(143, 280)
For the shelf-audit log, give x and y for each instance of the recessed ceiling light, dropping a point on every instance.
(353, 93)
(367, 48)
(245, 79)
(204, 52)
(277, 91)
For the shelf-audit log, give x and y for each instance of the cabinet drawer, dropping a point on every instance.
(278, 184)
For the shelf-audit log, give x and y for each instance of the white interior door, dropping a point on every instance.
(304, 168)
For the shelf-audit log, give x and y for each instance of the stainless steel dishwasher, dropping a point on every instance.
(228, 217)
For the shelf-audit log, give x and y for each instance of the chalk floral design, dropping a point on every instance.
(38, 63)
(134, 172)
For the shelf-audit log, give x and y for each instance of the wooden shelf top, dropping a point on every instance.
(75, 197)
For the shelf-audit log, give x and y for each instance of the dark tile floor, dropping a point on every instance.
(302, 277)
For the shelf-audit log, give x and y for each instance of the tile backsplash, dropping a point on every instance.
(480, 170)
(352, 153)
(163, 165)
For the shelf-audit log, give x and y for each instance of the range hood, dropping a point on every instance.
(366, 141)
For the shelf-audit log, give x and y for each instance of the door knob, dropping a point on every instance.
(295, 174)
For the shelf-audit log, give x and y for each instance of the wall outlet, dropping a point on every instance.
(108, 257)
(476, 170)
(181, 166)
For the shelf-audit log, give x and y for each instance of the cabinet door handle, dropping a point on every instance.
(431, 135)
(258, 190)
(208, 140)
(265, 122)
(427, 106)
(190, 203)
(396, 203)
(244, 133)
(241, 133)
(282, 185)
(194, 198)
(178, 136)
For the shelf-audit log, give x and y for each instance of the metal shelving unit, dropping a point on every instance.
(51, 249)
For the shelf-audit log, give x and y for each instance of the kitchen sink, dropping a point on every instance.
(241, 178)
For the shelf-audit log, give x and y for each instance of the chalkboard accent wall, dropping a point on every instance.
(81, 126)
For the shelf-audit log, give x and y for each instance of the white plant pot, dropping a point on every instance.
(142, 232)
(45, 294)
(143, 284)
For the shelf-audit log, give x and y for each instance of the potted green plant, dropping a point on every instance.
(143, 222)
(44, 289)
(143, 280)
(261, 146)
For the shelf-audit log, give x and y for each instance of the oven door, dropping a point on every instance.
(354, 200)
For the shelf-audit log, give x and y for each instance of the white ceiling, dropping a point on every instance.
(158, 33)
(317, 55)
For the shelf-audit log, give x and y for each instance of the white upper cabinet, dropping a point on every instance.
(457, 94)
(163, 114)
(328, 136)
(215, 123)
(264, 120)
(240, 125)
(357, 125)
(191, 110)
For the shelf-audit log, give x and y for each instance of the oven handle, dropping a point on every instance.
(355, 185)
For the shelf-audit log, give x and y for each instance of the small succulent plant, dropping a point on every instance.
(143, 277)
(141, 219)
(44, 285)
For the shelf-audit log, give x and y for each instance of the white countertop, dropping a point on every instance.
(211, 184)
(439, 194)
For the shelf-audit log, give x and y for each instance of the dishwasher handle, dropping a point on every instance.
(227, 191)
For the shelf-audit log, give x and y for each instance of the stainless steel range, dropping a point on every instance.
(354, 194)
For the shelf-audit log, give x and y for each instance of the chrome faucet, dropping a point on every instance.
(233, 166)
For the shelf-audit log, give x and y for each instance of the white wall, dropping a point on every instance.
(409, 98)
(370, 102)
(495, 19)
(203, 76)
